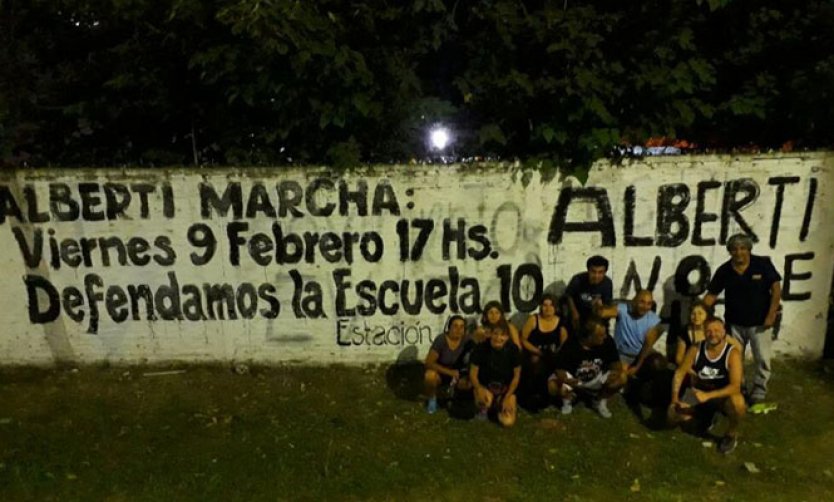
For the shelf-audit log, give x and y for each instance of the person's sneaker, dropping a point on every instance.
(567, 407)
(483, 415)
(727, 444)
(753, 400)
(431, 406)
(601, 407)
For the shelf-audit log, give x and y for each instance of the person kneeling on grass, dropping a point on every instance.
(447, 363)
(588, 366)
(715, 385)
(495, 372)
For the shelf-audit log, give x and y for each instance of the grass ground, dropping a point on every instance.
(356, 433)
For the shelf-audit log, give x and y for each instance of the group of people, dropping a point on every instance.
(564, 353)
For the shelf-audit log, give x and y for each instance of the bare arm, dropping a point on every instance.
(681, 372)
(651, 338)
(734, 387)
(563, 336)
(616, 367)
(562, 375)
(680, 352)
(606, 311)
(473, 377)
(775, 298)
(525, 336)
(432, 364)
(574, 313)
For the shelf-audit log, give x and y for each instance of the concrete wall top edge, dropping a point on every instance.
(312, 170)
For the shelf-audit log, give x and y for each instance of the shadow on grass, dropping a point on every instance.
(649, 398)
(405, 380)
(405, 377)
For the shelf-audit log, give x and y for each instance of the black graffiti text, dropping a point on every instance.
(92, 251)
(674, 224)
(457, 236)
(87, 201)
(168, 302)
(452, 293)
(348, 334)
(322, 197)
(692, 275)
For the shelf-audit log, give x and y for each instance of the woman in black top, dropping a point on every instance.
(695, 331)
(542, 336)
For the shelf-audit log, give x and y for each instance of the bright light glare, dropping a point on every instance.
(439, 138)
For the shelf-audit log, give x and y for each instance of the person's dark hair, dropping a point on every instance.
(702, 304)
(596, 261)
(451, 319)
(501, 324)
(713, 319)
(553, 300)
(590, 325)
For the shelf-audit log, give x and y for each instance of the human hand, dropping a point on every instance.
(680, 405)
(701, 396)
(770, 320)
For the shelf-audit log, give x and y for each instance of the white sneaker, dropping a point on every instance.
(601, 407)
(567, 408)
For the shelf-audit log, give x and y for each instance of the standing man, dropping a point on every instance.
(589, 290)
(752, 291)
(713, 368)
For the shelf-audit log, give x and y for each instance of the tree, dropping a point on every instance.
(275, 82)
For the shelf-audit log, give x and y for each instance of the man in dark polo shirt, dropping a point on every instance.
(752, 291)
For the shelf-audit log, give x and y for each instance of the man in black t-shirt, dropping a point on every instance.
(588, 364)
(587, 290)
(752, 291)
(495, 372)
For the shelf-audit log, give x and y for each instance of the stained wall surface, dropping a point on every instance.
(301, 265)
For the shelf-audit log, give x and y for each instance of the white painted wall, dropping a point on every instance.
(511, 208)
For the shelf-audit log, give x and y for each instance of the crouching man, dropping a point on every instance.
(712, 371)
(588, 366)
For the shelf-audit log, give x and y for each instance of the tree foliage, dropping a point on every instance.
(271, 82)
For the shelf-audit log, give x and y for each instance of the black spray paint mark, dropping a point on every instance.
(732, 206)
(682, 284)
(632, 277)
(791, 277)
(628, 226)
(672, 223)
(701, 216)
(604, 224)
(779, 182)
(809, 209)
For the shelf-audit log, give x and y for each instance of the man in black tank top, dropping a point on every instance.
(713, 369)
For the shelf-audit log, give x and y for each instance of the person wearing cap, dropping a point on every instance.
(752, 292)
